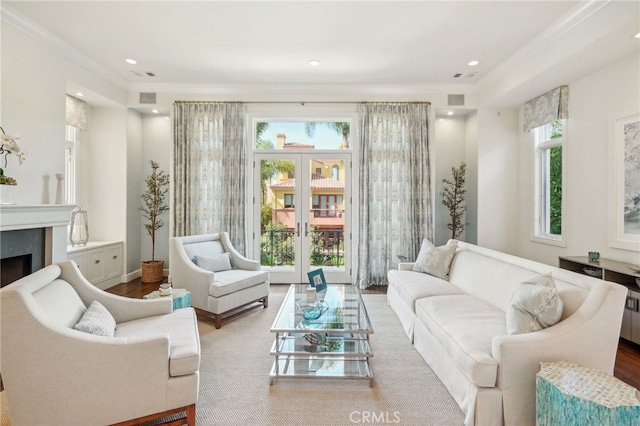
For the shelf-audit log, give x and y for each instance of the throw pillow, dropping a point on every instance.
(435, 260)
(97, 320)
(535, 304)
(216, 263)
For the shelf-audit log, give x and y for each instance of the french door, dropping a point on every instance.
(302, 209)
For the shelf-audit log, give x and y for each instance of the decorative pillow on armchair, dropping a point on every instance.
(435, 260)
(97, 320)
(535, 304)
(216, 263)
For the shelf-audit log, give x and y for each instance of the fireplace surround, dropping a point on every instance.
(32, 237)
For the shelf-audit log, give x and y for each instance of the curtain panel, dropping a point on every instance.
(546, 108)
(396, 210)
(76, 111)
(209, 165)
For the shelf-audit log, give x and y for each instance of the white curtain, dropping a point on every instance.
(209, 164)
(395, 187)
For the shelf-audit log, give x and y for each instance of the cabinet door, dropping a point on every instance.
(95, 265)
(81, 259)
(113, 266)
(634, 318)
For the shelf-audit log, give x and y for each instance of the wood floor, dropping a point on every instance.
(627, 367)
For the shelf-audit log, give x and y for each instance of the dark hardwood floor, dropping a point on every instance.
(627, 367)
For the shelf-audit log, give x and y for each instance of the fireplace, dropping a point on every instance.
(21, 253)
(31, 237)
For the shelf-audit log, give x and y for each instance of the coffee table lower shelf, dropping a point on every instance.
(321, 367)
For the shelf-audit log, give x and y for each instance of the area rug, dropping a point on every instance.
(235, 390)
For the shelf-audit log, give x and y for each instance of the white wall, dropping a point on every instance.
(134, 179)
(471, 158)
(591, 101)
(498, 141)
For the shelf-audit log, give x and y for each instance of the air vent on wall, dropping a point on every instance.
(456, 100)
(147, 98)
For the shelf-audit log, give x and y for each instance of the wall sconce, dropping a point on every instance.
(79, 230)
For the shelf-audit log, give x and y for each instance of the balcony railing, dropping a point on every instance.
(277, 247)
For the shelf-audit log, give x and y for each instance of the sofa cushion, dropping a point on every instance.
(227, 282)
(182, 328)
(97, 320)
(465, 325)
(492, 280)
(412, 286)
(535, 304)
(214, 263)
(434, 260)
(204, 248)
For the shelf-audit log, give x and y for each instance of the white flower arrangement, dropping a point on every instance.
(9, 145)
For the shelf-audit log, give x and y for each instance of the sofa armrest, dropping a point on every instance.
(122, 308)
(405, 266)
(589, 337)
(185, 274)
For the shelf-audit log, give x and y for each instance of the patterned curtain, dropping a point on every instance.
(76, 113)
(209, 164)
(546, 108)
(395, 187)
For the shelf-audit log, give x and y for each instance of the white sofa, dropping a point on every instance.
(459, 328)
(54, 374)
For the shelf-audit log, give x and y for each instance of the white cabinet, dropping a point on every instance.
(100, 262)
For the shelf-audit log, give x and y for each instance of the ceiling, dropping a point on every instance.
(365, 43)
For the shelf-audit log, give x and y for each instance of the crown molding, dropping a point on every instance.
(569, 21)
(11, 17)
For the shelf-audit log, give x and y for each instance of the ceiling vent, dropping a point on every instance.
(456, 100)
(457, 75)
(143, 73)
(147, 98)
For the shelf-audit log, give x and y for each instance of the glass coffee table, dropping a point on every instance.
(328, 339)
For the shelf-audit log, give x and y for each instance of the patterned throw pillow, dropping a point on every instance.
(216, 263)
(435, 260)
(97, 320)
(535, 304)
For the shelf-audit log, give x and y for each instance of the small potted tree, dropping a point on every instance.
(453, 195)
(154, 204)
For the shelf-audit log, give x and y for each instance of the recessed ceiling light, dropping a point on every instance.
(80, 94)
(473, 63)
(155, 111)
(450, 113)
(637, 35)
(131, 61)
(314, 62)
(441, 119)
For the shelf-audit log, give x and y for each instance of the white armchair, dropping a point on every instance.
(55, 374)
(223, 294)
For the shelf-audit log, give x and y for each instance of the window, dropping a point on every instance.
(327, 205)
(548, 143)
(289, 201)
(70, 169)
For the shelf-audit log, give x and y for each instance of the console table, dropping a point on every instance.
(617, 272)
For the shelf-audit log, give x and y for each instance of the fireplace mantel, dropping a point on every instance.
(54, 218)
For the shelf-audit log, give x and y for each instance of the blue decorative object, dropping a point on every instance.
(316, 279)
(570, 394)
(594, 256)
(312, 311)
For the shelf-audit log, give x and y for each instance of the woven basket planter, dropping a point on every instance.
(151, 271)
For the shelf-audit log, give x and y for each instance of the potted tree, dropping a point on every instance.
(154, 204)
(453, 195)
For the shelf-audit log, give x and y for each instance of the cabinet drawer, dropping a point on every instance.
(113, 259)
(81, 260)
(95, 265)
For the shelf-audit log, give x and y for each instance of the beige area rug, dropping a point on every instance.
(235, 390)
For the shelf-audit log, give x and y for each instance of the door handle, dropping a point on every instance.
(298, 229)
(306, 229)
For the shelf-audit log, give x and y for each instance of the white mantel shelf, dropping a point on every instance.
(13, 217)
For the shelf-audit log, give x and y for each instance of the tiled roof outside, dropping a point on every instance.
(317, 182)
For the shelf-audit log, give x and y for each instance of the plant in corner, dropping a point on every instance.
(154, 204)
(453, 194)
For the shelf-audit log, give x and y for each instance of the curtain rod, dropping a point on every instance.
(302, 102)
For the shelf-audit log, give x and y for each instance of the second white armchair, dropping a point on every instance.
(222, 282)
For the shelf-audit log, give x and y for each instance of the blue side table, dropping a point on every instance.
(181, 297)
(571, 394)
